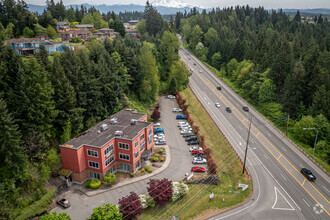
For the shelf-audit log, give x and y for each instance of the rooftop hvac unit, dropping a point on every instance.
(119, 133)
(133, 121)
(103, 127)
(113, 121)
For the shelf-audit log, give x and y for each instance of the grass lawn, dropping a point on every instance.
(197, 203)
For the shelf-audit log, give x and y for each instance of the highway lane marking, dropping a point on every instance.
(283, 148)
(306, 203)
(279, 157)
(266, 156)
(276, 190)
(273, 148)
(283, 177)
(325, 188)
(304, 181)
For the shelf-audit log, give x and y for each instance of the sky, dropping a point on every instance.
(268, 4)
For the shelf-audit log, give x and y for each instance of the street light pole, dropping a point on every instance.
(317, 131)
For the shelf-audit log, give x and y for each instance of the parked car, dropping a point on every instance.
(182, 123)
(194, 152)
(308, 174)
(189, 134)
(199, 160)
(245, 108)
(160, 142)
(195, 148)
(171, 96)
(159, 135)
(198, 169)
(159, 138)
(228, 109)
(185, 132)
(218, 87)
(193, 142)
(158, 130)
(181, 117)
(217, 105)
(177, 110)
(184, 126)
(64, 203)
(186, 129)
(191, 138)
(156, 124)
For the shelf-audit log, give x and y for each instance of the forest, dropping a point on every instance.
(277, 63)
(45, 100)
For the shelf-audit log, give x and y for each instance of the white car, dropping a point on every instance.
(217, 105)
(171, 96)
(161, 142)
(177, 110)
(159, 135)
(200, 71)
(195, 148)
(199, 160)
(156, 124)
(182, 123)
(185, 131)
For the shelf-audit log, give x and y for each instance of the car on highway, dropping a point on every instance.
(195, 148)
(218, 87)
(64, 203)
(200, 71)
(181, 117)
(228, 109)
(171, 96)
(198, 169)
(308, 174)
(160, 142)
(177, 110)
(193, 142)
(197, 151)
(158, 130)
(191, 138)
(217, 105)
(245, 108)
(194, 64)
(156, 124)
(188, 134)
(199, 160)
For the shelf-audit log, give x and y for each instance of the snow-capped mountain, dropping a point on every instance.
(172, 4)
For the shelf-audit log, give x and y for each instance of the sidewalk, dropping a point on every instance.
(132, 180)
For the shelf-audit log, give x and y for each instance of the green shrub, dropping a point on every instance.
(76, 40)
(154, 159)
(157, 155)
(132, 174)
(162, 159)
(149, 170)
(109, 178)
(95, 183)
(142, 170)
(146, 167)
(87, 184)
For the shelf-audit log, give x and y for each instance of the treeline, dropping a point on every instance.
(276, 62)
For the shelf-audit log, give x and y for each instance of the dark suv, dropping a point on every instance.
(192, 138)
(308, 174)
(219, 87)
(228, 109)
(193, 142)
(188, 134)
(245, 108)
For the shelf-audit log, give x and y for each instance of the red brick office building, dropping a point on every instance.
(121, 142)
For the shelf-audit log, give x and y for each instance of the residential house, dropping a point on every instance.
(122, 142)
(62, 25)
(106, 32)
(85, 26)
(133, 22)
(68, 35)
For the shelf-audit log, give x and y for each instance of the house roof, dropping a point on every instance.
(93, 137)
(106, 29)
(24, 40)
(61, 23)
(77, 31)
(134, 21)
(84, 25)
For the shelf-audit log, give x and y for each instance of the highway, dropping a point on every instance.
(280, 191)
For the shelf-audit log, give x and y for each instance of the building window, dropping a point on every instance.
(149, 132)
(92, 153)
(136, 144)
(109, 160)
(111, 170)
(124, 156)
(143, 145)
(93, 164)
(108, 149)
(123, 146)
(137, 164)
(124, 167)
(142, 137)
(137, 153)
(95, 175)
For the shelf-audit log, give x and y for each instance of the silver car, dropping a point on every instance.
(199, 160)
(160, 142)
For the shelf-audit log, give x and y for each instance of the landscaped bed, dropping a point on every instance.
(197, 203)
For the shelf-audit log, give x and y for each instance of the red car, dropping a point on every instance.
(196, 151)
(198, 169)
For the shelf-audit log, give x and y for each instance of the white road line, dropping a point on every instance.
(265, 156)
(276, 190)
(326, 189)
(306, 203)
(283, 177)
(283, 148)
(301, 165)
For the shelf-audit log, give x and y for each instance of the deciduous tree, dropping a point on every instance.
(130, 206)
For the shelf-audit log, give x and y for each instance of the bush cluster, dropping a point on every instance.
(95, 183)
(109, 178)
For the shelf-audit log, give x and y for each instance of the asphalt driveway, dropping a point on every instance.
(181, 163)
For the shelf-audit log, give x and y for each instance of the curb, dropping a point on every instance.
(133, 180)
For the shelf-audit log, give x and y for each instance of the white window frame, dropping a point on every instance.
(126, 167)
(108, 150)
(110, 159)
(141, 139)
(94, 162)
(125, 144)
(121, 154)
(136, 144)
(93, 151)
(137, 152)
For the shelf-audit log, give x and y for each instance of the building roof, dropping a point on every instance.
(77, 31)
(134, 21)
(106, 29)
(24, 40)
(94, 138)
(84, 25)
(61, 23)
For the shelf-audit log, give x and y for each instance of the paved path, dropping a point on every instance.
(82, 205)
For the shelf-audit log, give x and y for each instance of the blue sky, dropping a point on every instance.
(210, 3)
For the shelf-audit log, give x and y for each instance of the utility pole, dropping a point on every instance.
(287, 125)
(247, 144)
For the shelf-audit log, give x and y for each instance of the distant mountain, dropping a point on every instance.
(169, 7)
